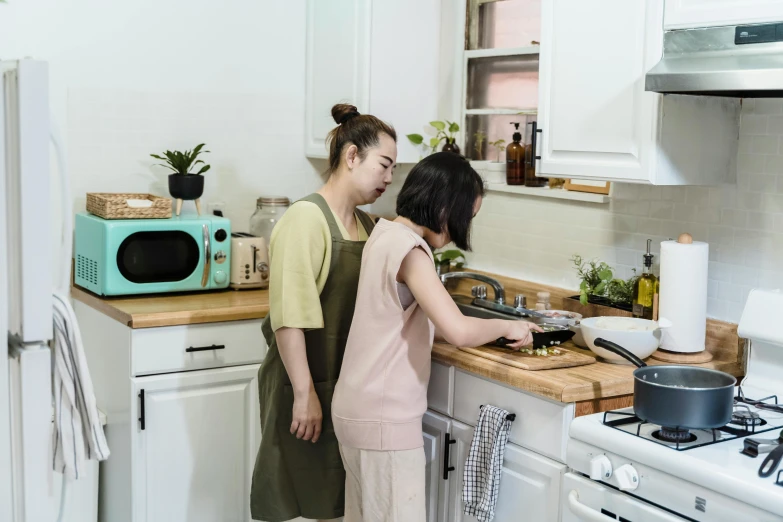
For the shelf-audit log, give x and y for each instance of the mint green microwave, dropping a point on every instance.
(146, 256)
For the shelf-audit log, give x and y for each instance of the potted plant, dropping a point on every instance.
(479, 138)
(184, 184)
(497, 169)
(447, 261)
(449, 134)
(599, 292)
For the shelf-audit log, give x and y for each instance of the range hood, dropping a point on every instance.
(736, 61)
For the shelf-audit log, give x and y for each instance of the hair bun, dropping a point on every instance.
(342, 112)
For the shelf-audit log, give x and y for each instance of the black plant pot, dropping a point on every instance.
(187, 187)
(450, 146)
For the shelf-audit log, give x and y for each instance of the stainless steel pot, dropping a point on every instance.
(679, 397)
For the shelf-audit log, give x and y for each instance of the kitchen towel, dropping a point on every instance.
(78, 434)
(683, 295)
(481, 479)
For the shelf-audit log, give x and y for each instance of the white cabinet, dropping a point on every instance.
(529, 486)
(436, 436)
(194, 445)
(382, 56)
(596, 119)
(182, 417)
(682, 14)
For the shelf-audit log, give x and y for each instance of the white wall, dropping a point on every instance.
(133, 78)
(533, 238)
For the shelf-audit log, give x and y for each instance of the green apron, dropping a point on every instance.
(296, 478)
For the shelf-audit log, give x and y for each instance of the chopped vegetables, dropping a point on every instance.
(542, 352)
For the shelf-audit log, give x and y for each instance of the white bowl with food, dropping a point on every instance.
(639, 336)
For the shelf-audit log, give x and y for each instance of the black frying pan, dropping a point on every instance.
(679, 397)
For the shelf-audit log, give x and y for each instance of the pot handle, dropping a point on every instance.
(619, 350)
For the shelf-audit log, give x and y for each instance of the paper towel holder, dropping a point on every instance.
(685, 239)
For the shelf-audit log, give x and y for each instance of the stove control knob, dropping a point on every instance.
(600, 468)
(627, 477)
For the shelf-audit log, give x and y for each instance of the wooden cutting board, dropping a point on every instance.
(565, 359)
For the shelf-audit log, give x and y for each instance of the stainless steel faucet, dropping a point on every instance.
(500, 295)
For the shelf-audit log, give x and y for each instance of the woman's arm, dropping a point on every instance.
(307, 414)
(416, 271)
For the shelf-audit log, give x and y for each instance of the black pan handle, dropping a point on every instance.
(771, 463)
(619, 350)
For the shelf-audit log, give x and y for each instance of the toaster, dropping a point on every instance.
(249, 261)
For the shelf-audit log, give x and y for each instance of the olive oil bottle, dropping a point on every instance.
(645, 290)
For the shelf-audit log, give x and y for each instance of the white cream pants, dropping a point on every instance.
(384, 486)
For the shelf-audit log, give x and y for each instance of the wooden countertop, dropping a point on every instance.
(178, 309)
(580, 383)
(593, 386)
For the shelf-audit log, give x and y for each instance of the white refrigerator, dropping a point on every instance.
(31, 492)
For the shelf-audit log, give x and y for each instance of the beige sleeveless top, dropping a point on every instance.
(381, 394)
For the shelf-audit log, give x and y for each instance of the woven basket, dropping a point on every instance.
(114, 206)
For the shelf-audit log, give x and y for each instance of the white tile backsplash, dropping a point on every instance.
(533, 239)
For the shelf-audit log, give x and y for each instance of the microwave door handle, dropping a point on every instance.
(207, 257)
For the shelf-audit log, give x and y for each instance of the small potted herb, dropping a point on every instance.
(497, 169)
(445, 130)
(184, 184)
(598, 287)
(448, 261)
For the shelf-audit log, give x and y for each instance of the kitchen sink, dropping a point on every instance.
(466, 306)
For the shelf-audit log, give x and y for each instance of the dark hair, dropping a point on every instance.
(361, 130)
(440, 192)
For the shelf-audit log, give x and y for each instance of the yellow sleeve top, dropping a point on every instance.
(300, 252)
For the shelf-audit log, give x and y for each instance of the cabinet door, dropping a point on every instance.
(195, 445)
(681, 14)
(529, 486)
(597, 120)
(436, 434)
(337, 65)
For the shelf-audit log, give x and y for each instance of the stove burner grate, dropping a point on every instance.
(675, 435)
(746, 418)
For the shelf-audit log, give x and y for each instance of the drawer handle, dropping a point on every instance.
(580, 510)
(206, 348)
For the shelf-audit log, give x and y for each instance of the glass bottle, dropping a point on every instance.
(515, 159)
(268, 212)
(531, 180)
(645, 289)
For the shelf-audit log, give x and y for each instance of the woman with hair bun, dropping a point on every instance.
(315, 255)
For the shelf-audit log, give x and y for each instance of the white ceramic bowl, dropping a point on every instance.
(641, 343)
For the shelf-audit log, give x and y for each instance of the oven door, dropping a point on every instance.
(159, 259)
(589, 501)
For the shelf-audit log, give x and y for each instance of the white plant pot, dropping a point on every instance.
(496, 172)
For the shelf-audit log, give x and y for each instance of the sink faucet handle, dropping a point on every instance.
(479, 291)
(520, 301)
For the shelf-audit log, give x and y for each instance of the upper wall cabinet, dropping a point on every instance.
(382, 56)
(682, 14)
(597, 121)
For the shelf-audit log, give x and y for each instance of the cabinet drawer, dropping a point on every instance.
(541, 424)
(440, 393)
(196, 347)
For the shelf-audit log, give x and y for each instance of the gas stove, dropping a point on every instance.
(632, 470)
(751, 417)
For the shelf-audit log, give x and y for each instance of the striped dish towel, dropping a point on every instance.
(481, 479)
(78, 435)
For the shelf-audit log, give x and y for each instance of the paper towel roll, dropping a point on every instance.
(683, 295)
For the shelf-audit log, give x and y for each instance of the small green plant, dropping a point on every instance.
(442, 133)
(500, 146)
(620, 292)
(450, 257)
(182, 162)
(480, 137)
(595, 277)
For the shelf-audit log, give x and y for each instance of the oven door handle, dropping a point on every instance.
(207, 256)
(585, 512)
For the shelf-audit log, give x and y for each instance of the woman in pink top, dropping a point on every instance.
(381, 395)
